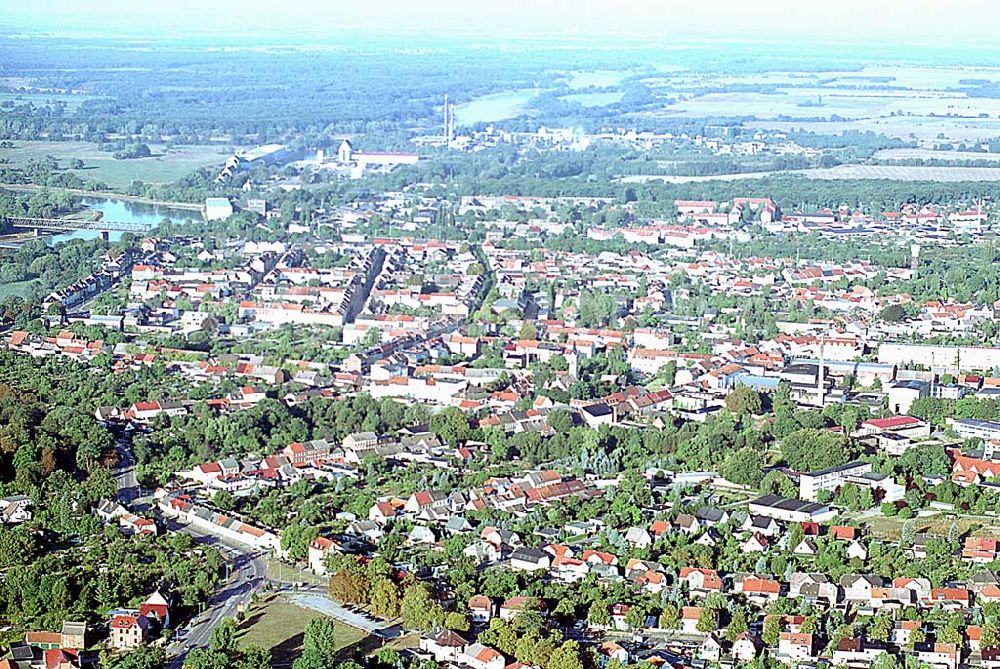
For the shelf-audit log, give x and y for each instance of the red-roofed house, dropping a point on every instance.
(979, 549)
(702, 580)
(129, 631)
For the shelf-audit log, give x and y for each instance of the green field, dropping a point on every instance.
(19, 288)
(280, 626)
(165, 165)
(71, 100)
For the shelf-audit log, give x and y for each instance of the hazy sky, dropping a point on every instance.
(912, 21)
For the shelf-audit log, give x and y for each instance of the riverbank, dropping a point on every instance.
(138, 199)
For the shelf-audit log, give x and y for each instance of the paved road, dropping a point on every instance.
(247, 573)
(128, 484)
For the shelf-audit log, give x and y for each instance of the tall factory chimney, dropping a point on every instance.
(449, 122)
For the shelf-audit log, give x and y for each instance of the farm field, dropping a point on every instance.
(925, 103)
(929, 154)
(164, 166)
(890, 528)
(845, 172)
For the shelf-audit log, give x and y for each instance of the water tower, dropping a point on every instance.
(914, 257)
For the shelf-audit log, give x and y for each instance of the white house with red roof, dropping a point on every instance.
(478, 656)
(426, 499)
(128, 631)
(481, 609)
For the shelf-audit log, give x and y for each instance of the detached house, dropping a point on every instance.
(478, 656)
(700, 580)
(759, 590)
(128, 631)
(858, 587)
(444, 645)
(530, 559)
(795, 647)
(426, 499)
(745, 648)
(481, 609)
(690, 615)
(510, 608)
(855, 651)
(942, 655)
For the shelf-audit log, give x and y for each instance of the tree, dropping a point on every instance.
(990, 637)
(880, 628)
(500, 635)
(528, 617)
(598, 614)
(950, 634)
(528, 331)
(795, 535)
(925, 460)
(224, 500)
(17, 546)
(143, 657)
(256, 657)
(636, 617)
(707, 620)
(743, 467)
(457, 621)
(560, 420)
(772, 630)
(566, 656)
(451, 425)
(893, 313)
(907, 533)
(670, 617)
(320, 639)
(418, 609)
(810, 449)
(385, 599)
(388, 658)
(884, 661)
(223, 637)
(295, 539)
(743, 400)
(737, 624)
(809, 625)
(776, 483)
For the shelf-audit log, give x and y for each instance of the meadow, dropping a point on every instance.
(164, 166)
(279, 625)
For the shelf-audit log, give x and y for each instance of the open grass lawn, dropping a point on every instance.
(287, 573)
(276, 624)
(19, 288)
(165, 165)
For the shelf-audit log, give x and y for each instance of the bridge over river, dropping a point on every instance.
(47, 225)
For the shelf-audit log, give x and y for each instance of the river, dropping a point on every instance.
(123, 211)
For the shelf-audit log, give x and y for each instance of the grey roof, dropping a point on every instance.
(74, 628)
(529, 555)
(710, 514)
